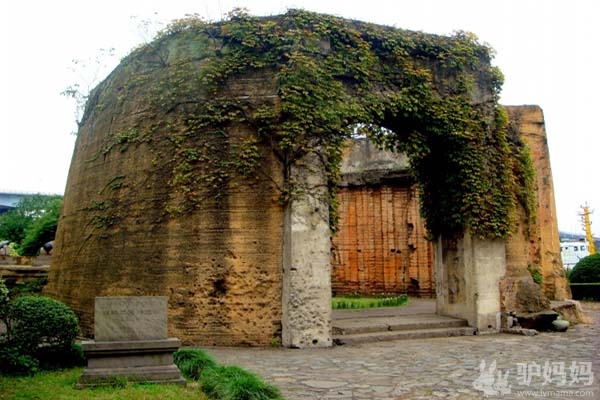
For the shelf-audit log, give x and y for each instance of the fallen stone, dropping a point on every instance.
(540, 321)
(571, 311)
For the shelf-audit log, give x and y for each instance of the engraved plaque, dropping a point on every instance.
(130, 318)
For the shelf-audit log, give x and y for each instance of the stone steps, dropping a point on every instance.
(372, 328)
(404, 334)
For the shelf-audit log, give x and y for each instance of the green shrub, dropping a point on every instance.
(191, 362)
(235, 383)
(34, 321)
(40, 335)
(29, 287)
(12, 361)
(4, 299)
(587, 270)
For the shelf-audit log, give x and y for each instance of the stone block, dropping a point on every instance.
(130, 343)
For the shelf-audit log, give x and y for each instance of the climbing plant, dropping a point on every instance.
(433, 97)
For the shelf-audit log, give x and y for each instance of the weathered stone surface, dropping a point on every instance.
(381, 244)
(543, 240)
(130, 318)
(571, 310)
(306, 264)
(468, 271)
(220, 266)
(522, 295)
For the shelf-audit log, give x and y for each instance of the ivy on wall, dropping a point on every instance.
(433, 97)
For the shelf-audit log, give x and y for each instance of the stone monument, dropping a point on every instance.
(130, 342)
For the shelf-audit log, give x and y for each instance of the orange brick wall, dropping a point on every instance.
(380, 245)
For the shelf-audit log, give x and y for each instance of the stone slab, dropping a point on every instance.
(135, 346)
(130, 318)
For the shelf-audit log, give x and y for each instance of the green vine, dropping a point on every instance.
(433, 97)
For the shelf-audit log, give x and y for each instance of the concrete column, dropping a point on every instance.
(468, 273)
(306, 319)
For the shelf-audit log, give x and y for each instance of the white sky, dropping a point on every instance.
(548, 51)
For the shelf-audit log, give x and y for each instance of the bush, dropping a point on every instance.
(587, 270)
(4, 299)
(34, 321)
(191, 362)
(40, 334)
(13, 362)
(235, 383)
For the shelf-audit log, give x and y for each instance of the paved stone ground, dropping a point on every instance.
(443, 368)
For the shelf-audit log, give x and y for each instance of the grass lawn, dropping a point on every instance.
(354, 302)
(60, 385)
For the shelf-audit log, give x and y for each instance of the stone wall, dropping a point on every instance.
(542, 244)
(120, 233)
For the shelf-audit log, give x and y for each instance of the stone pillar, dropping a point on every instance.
(306, 297)
(468, 272)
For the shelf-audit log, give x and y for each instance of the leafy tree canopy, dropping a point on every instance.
(35, 213)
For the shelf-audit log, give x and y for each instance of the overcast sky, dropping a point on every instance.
(547, 50)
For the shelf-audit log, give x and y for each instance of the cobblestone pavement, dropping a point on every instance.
(442, 368)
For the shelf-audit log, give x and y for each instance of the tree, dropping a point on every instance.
(587, 270)
(14, 224)
(41, 230)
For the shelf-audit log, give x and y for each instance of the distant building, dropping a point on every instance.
(8, 200)
(572, 252)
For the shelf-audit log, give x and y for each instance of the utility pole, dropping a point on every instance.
(587, 225)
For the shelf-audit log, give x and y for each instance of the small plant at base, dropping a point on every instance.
(235, 383)
(191, 362)
(535, 274)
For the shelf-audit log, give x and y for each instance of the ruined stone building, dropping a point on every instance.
(382, 247)
(207, 166)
